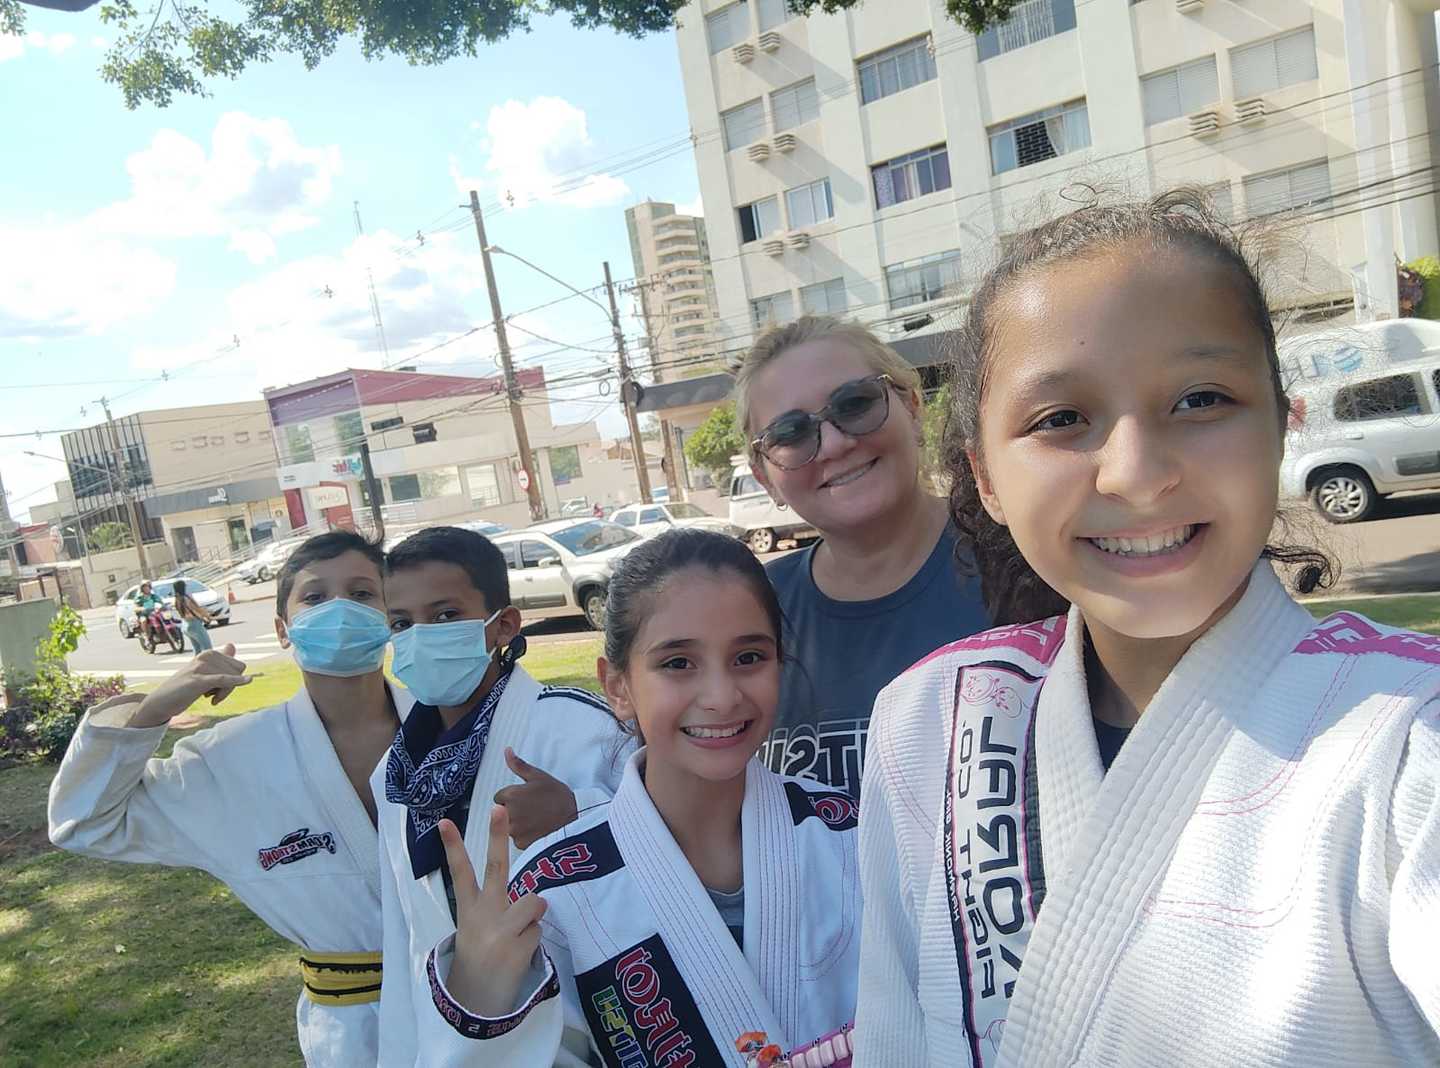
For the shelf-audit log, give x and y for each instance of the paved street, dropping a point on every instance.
(1396, 552)
(103, 652)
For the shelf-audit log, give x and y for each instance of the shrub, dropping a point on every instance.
(49, 702)
(1428, 268)
(713, 442)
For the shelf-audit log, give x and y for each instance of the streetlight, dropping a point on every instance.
(629, 390)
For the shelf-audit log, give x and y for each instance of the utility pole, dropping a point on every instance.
(637, 446)
(672, 475)
(372, 489)
(134, 508)
(512, 389)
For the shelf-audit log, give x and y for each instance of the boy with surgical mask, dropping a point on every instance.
(481, 728)
(276, 803)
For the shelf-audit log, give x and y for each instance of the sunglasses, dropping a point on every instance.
(855, 409)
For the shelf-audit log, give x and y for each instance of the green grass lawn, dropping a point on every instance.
(125, 965)
(1419, 612)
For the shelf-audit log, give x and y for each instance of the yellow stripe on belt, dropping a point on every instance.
(341, 978)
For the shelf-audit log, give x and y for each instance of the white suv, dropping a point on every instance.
(563, 568)
(1355, 438)
(760, 521)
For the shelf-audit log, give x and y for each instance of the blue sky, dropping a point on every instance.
(148, 241)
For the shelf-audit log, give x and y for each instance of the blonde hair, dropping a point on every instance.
(779, 340)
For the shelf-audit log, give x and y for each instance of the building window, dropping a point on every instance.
(895, 69)
(795, 105)
(925, 279)
(484, 486)
(907, 177)
(1288, 190)
(759, 219)
(1273, 64)
(1173, 93)
(744, 124)
(1029, 22)
(774, 310)
(728, 26)
(773, 13)
(424, 485)
(242, 437)
(298, 446)
(349, 431)
(823, 298)
(690, 331)
(564, 463)
(1038, 137)
(675, 257)
(809, 204)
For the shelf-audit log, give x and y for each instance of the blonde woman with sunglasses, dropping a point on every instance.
(832, 421)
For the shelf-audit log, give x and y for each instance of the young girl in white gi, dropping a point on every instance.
(274, 803)
(712, 906)
(1208, 825)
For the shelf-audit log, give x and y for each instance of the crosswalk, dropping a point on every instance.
(255, 647)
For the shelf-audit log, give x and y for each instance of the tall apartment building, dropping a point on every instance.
(675, 287)
(873, 162)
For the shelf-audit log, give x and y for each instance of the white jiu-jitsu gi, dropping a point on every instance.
(262, 803)
(637, 968)
(1255, 881)
(568, 733)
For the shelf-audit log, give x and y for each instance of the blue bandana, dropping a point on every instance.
(431, 771)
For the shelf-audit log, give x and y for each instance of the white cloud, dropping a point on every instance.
(538, 151)
(99, 42)
(312, 316)
(256, 183)
(63, 280)
(694, 207)
(12, 47)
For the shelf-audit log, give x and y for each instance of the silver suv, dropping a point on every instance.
(563, 568)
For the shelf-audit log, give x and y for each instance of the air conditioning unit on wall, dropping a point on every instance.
(760, 150)
(1251, 109)
(786, 142)
(770, 41)
(775, 246)
(743, 52)
(1205, 123)
(798, 238)
(1189, 7)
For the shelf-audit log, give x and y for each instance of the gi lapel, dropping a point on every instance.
(507, 727)
(1124, 836)
(773, 917)
(705, 954)
(330, 787)
(990, 841)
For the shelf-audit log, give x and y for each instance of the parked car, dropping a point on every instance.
(563, 567)
(575, 506)
(761, 522)
(483, 526)
(164, 589)
(267, 562)
(649, 519)
(1355, 438)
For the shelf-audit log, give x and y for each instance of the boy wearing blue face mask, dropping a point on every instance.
(477, 714)
(275, 803)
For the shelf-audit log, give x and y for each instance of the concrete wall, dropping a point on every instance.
(22, 626)
(213, 444)
(107, 575)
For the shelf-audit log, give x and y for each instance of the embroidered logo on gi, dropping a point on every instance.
(589, 855)
(1345, 632)
(642, 1015)
(297, 845)
(838, 811)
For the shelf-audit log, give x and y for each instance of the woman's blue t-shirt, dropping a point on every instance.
(841, 654)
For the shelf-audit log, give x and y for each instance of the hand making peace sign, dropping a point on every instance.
(495, 938)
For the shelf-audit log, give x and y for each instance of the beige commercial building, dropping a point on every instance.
(442, 449)
(873, 162)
